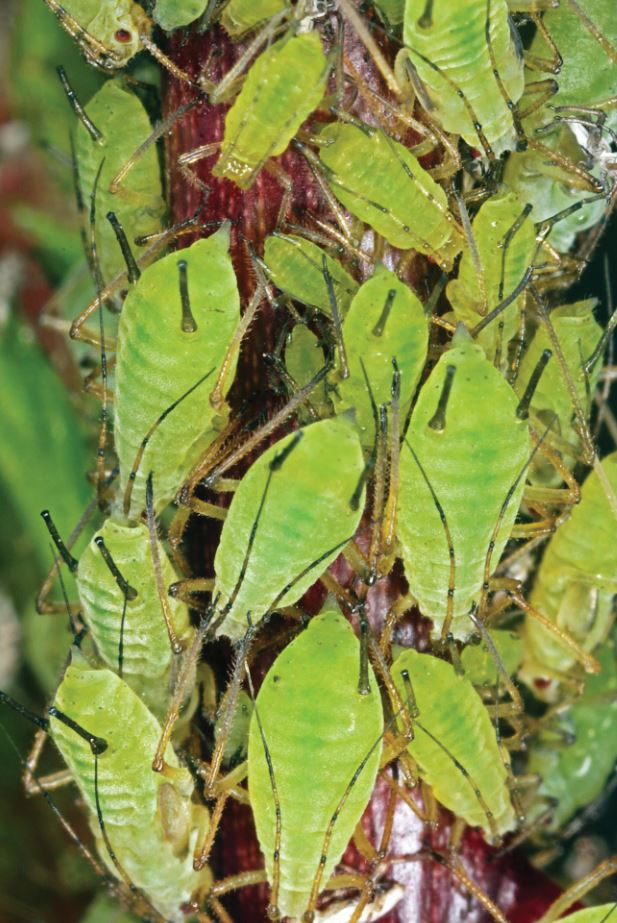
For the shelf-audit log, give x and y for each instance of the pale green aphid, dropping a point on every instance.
(605, 913)
(575, 584)
(130, 633)
(304, 358)
(381, 182)
(578, 333)
(240, 16)
(385, 321)
(173, 14)
(295, 265)
(505, 243)
(290, 517)
(164, 350)
(448, 49)
(320, 731)
(470, 448)
(479, 664)
(575, 773)
(107, 31)
(391, 11)
(150, 822)
(138, 204)
(284, 85)
(454, 729)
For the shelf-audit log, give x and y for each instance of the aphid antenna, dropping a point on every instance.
(338, 329)
(473, 247)
(176, 645)
(132, 269)
(505, 242)
(77, 107)
(516, 291)
(95, 51)
(522, 411)
(128, 593)
(388, 527)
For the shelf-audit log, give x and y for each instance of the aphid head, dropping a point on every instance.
(119, 28)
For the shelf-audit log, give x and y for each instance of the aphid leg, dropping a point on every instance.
(542, 90)
(177, 646)
(94, 50)
(581, 887)
(217, 399)
(388, 521)
(185, 161)
(321, 177)
(551, 64)
(35, 785)
(359, 26)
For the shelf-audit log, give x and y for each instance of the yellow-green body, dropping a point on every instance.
(173, 14)
(318, 729)
(479, 664)
(240, 16)
(114, 25)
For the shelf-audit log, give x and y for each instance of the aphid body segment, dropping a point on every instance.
(505, 252)
(138, 204)
(295, 265)
(472, 448)
(108, 33)
(305, 486)
(131, 634)
(162, 354)
(320, 732)
(150, 822)
(381, 182)
(575, 583)
(173, 14)
(385, 321)
(578, 333)
(479, 664)
(284, 85)
(448, 48)
(574, 774)
(453, 726)
(239, 16)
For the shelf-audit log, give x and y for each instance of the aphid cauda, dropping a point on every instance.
(109, 33)
(323, 740)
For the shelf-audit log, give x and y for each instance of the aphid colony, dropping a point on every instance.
(433, 412)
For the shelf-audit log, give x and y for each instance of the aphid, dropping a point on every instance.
(291, 515)
(109, 33)
(579, 334)
(117, 124)
(504, 244)
(463, 459)
(385, 322)
(454, 743)
(240, 16)
(574, 586)
(284, 85)
(574, 771)
(176, 325)
(296, 266)
(381, 182)
(392, 12)
(173, 14)
(468, 68)
(478, 662)
(145, 824)
(310, 786)
(304, 357)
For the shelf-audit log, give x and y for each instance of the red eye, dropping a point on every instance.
(123, 35)
(541, 683)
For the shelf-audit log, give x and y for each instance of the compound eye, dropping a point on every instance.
(123, 36)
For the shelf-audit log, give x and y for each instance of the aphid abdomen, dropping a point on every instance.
(159, 362)
(129, 792)
(308, 514)
(138, 204)
(472, 455)
(284, 85)
(173, 14)
(453, 38)
(239, 16)
(379, 181)
(386, 321)
(318, 729)
(141, 647)
(454, 724)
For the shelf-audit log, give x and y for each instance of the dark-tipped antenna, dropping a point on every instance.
(188, 324)
(97, 745)
(65, 554)
(123, 584)
(36, 720)
(338, 328)
(518, 290)
(133, 271)
(505, 242)
(522, 411)
(77, 107)
(438, 420)
(380, 326)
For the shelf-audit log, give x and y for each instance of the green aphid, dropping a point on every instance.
(240, 16)
(320, 731)
(392, 12)
(292, 514)
(479, 664)
(601, 914)
(151, 823)
(447, 47)
(453, 730)
(505, 243)
(173, 14)
(295, 266)
(381, 182)
(109, 32)
(385, 321)
(238, 735)
(462, 467)
(304, 358)
(284, 85)
(574, 774)
(176, 324)
(578, 333)
(575, 584)
(129, 628)
(122, 122)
